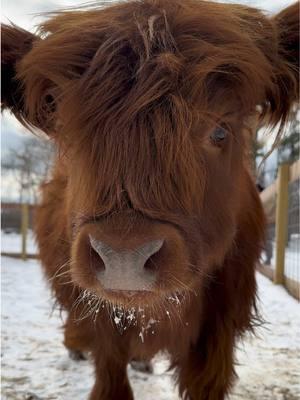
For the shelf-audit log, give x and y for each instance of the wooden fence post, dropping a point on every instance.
(281, 222)
(24, 230)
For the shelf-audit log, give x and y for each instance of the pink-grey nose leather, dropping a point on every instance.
(125, 269)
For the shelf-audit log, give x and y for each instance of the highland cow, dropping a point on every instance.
(151, 226)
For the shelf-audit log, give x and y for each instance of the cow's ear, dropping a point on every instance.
(15, 44)
(287, 26)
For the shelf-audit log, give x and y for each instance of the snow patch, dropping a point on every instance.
(33, 356)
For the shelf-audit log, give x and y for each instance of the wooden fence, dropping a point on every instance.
(281, 203)
(16, 224)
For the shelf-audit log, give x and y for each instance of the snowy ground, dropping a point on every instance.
(35, 364)
(12, 242)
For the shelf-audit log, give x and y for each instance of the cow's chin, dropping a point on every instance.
(134, 299)
(130, 298)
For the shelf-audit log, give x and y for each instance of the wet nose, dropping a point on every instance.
(127, 269)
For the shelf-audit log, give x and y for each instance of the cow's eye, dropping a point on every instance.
(49, 103)
(219, 135)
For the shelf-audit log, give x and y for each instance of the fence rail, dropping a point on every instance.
(17, 239)
(281, 203)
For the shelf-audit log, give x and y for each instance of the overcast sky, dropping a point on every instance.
(25, 14)
(21, 12)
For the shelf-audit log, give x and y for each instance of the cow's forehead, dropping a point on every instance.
(152, 52)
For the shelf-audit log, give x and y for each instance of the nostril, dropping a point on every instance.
(150, 252)
(100, 248)
(97, 253)
(151, 264)
(150, 248)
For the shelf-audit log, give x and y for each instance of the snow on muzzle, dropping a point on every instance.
(128, 270)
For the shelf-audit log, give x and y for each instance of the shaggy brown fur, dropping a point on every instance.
(135, 95)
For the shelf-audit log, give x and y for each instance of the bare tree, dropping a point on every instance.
(29, 164)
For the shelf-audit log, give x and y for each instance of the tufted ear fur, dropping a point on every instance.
(287, 22)
(15, 44)
(287, 26)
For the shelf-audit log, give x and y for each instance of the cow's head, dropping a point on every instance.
(150, 104)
